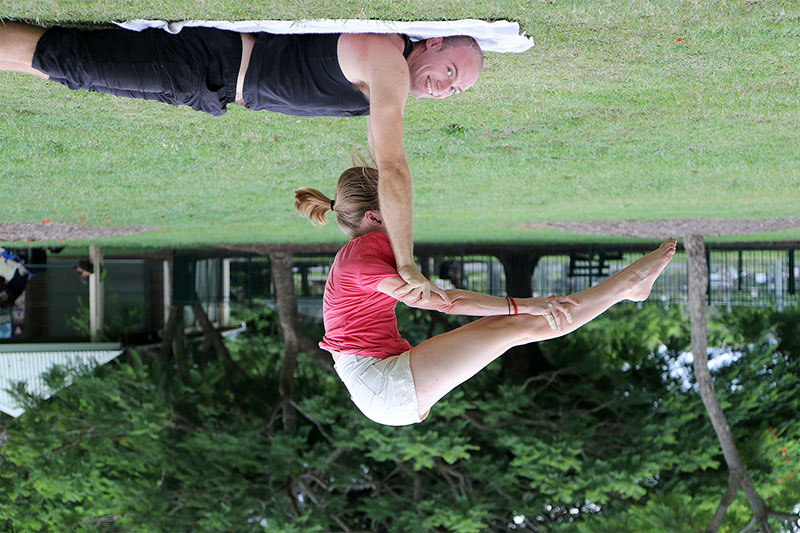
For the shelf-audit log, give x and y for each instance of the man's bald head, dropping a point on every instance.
(442, 66)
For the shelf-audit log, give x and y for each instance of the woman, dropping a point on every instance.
(394, 383)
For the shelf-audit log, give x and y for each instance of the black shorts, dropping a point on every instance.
(197, 67)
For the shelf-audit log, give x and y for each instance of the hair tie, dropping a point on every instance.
(332, 204)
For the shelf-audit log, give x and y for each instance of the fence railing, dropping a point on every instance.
(758, 278)
(748, 277)
(55, 303)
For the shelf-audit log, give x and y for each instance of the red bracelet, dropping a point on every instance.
(516, 311)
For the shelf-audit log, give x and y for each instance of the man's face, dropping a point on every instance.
(439, 73)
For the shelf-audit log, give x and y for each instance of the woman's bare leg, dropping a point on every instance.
(17, 45)
(443, 362)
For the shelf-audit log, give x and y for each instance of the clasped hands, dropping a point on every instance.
(550, 307)
(418, 288)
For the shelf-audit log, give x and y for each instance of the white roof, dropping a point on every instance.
(27, 363)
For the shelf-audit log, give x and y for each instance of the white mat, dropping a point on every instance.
(501, 36)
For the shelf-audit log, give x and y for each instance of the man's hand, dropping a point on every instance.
(417, 287)
(550, 308)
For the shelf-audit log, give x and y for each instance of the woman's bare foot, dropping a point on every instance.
(642, 273)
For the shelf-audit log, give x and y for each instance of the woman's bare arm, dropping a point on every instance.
(476, 304)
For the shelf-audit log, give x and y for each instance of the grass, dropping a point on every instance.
(624, 110)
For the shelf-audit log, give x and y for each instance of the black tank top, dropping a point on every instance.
(300, 75)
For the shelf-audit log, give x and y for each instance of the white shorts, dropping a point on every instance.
(383, 389)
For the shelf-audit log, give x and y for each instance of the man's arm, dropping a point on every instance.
(386, 76)
(378, 62)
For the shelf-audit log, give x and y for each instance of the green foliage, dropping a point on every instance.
(117, 326)
(666, 513)
(79, 459)
(605, 440)
(788, 331)
(417, 325)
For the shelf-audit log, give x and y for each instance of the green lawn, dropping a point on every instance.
(609, 116)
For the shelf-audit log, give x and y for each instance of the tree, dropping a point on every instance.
(607, 440)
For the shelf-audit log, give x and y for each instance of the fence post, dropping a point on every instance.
(792, 279)
(250, 282)
(96, 294)
(779, 285)
(225, 304)
(739, 272)
(708, 273)
(167, 288)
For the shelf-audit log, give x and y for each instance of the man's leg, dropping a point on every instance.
(197, 67)
(17, 45)
(443, 362)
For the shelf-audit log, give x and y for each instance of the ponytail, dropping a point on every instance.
(356, 193)
(312, 204)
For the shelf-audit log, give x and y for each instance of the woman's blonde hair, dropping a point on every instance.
(356, 193)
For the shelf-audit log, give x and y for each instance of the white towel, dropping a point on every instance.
(501, 36)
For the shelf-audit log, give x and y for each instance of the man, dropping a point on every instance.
(13, 278)
(306, 75)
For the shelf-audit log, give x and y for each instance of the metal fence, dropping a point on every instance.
(761, 278)
(757, 278)
(311, 274)
(251, 281)
(479, 273)
(55, 303)
(754, 278)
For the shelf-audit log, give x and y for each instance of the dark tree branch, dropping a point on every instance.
(549, 377)
(311, 348)
(785, 516)
(105, 519)
(698, 281)
(313, 421)
(727, 499)
(205, 347)
(791, 519)
(290, 495)
(464, 486)
(212, 336)
(81, 436)
(416, 492)
(750, 525)
(169, 333)
(321, 505)
(336, 454)
(472, 418)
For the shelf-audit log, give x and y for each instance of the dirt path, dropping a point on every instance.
(56, 231)
(709, 227)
